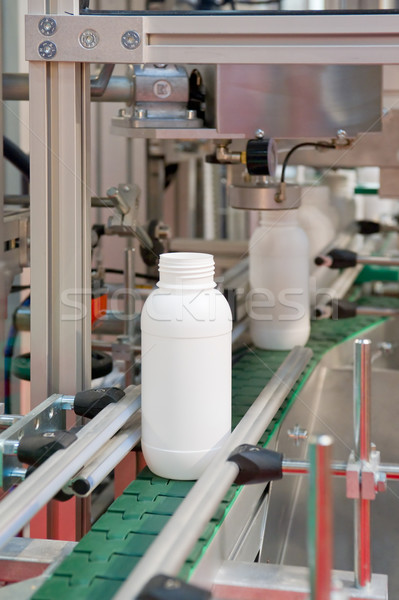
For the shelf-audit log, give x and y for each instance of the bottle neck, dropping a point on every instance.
(186, 270)
(279, 217)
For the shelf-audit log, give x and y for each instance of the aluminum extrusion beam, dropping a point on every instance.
(224, 39)
(171, 547)
(60, 221)
(29, 497)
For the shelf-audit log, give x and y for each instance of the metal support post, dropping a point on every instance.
(60, 239)
(129, 289)
(361, 395)
(320, 517)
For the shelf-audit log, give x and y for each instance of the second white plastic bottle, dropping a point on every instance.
(186, 367)
(278, 304)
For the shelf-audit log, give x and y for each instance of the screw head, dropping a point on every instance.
(47, 26)
(47, 50)
(130, 40)
(89, 39)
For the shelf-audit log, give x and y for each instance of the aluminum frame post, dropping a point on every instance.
(60, 229)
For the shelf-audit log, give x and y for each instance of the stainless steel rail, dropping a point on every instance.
(171, 547)
(20, 505)
(107, 458)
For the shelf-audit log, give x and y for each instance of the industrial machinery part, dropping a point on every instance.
(260, 195)
(104, 87)
(344, 309)
(260, 155)
(161, 97)
(18, 508)
(182, 530)
(344, 259)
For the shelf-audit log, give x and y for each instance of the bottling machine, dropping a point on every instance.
(157, 127)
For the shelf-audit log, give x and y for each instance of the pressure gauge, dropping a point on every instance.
(262, 156)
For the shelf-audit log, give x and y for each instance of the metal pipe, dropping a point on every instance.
(24, 200)
(361, 398)
(130, 301)
(107, 458)
(99, 82)
(362, 418)
(119, 88)
(31, 495)
(171, 547)
(8, 420)
(384, 261)
(320, 517)
(377, 311)
(111, 323)
(301, 467)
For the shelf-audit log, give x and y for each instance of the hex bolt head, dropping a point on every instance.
(89, 39)
(47, 26)
(131, 40)
(47, 50)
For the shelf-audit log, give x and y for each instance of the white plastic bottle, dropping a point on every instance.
(278, 303)
(186, 367)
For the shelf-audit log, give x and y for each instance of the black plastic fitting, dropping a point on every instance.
(257, 465)
(90, 402)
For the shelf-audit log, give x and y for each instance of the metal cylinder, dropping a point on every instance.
(320, 517)
(112, 323)
(361, 398)
(384, 261)
(362, 421)
(107, 458)
(377, 311)
(130, 303)
(119, 88)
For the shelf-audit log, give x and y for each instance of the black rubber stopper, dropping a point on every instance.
(261, 157)
(343, 309)
(368, 227)
(90, 402)
(162, 587)
(341, 259)
(101, 364)
(257, 465)
(35, 449)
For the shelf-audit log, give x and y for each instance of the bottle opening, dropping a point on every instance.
(193, 270)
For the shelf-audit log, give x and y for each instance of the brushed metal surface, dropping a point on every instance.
(325, 406)
(298, 100)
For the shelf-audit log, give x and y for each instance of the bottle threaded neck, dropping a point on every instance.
(190, 270)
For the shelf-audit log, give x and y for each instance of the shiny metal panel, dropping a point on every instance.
(298, 101)
(326, 406)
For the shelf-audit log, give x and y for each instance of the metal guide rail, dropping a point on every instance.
(105, 557)
(295, 38)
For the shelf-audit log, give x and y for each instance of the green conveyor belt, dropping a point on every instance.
(103, 559)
